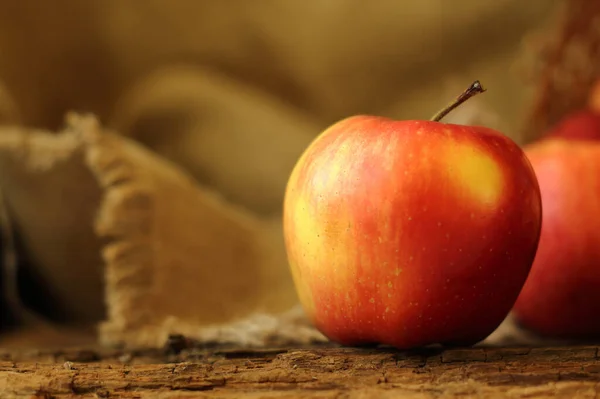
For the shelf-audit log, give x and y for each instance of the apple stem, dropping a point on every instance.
(471, 91)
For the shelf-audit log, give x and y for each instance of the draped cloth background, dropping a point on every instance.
(146, 145)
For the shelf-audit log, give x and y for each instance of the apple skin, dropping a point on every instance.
(579, 125)
(410, 233)
(561, 297)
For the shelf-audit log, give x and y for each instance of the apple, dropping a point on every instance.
(561, 297)
(582, 124)
(410, 233)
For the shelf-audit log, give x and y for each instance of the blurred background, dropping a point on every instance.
(321, 60)
(233, 91)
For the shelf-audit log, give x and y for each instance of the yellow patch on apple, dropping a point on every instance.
(477, 174)
(306, 228)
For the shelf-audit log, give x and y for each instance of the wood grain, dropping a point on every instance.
(312, 372)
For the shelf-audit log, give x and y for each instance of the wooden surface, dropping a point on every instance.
(314, 372)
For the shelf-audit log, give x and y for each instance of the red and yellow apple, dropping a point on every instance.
(409, 233)
(561, 297)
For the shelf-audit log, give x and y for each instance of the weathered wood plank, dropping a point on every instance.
(323, 372)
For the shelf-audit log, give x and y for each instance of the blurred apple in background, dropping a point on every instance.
(583, 124)
(409, 233)
(579, 125)
(561, 298)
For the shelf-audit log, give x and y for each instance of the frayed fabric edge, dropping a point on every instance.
(123, 259)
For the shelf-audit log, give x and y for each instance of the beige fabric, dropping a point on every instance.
(231, 136)
(169, 247)
(51, 200)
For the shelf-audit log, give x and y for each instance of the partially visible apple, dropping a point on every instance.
(579, 125)
(561, 298)
(409, 233)
(582, 124)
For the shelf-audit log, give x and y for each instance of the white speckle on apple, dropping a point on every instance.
(439, 224)
(397, 271)
(380, 239)
(390, 284)
(410, 218)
